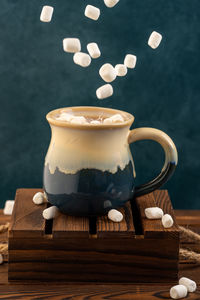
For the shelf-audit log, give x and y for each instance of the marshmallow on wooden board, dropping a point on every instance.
(71, 45)
(39, 198)
(153, 213)
(82, 59)
(78, 120)
(188, 283)
(46, 13)
(50, 213)
(92, 12)
(115, 215)
(178, 292)
(107, 72)
(104, 91)
(167, 221)
(93, 50)
(130, 61)
(110, 3)
(121, 70)
(154, 40)
(8, 208)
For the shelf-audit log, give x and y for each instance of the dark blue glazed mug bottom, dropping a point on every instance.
(89, 192)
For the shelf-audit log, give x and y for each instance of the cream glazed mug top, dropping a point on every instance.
(89, 168)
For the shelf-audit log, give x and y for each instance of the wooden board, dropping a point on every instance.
(78, 249)
(59, 290)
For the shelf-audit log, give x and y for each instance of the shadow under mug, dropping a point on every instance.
(89, 168)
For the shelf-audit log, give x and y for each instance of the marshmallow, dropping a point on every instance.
(188, 283)
(111, 3)
(167, 221)
(8, 208)
(71, 45)
(95, 122)
(117, 118)
(38, 198)
(115, 215)
(82, 59)
(121, 70)
(154, 40)
(93, 50)
(107, 121)
(1, 259)
(46, 14)
(107, 73)
(50, 213)
(92, 12)
(104, 91)
(153, 213)
(78, 120)
(65, 117)
(130, 61)
(178, 292)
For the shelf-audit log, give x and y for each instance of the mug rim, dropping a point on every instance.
(52, 120)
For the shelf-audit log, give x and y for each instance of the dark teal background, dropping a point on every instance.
(36, 76)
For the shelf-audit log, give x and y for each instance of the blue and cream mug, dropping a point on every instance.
(89, 168)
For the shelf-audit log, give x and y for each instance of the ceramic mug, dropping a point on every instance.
(89, 168)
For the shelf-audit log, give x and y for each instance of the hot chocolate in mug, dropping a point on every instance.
(89, 168)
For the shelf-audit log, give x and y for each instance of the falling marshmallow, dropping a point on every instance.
(39, 198)
(154, 40)
(50, 213)
(8, 208)
(153, 213)
(121, 70)
(82, 59)
(46, 14)
(95, 122)
(107, 73)
(167, 221)
(71, 45)
(115, 215)
(178, 292)
(104, 91)
(78, 120)
(93, 50)
(92, 12)
(111, 3)
(130, 61)
(188, 283)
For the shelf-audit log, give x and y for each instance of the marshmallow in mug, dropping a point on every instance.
(114, 119)
(92, 12)
(46, 13)
(154, 40)
(71, 45)
(93, 50)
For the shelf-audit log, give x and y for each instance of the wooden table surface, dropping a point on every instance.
(58, 290)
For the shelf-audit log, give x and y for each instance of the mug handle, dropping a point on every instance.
(171, 157)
